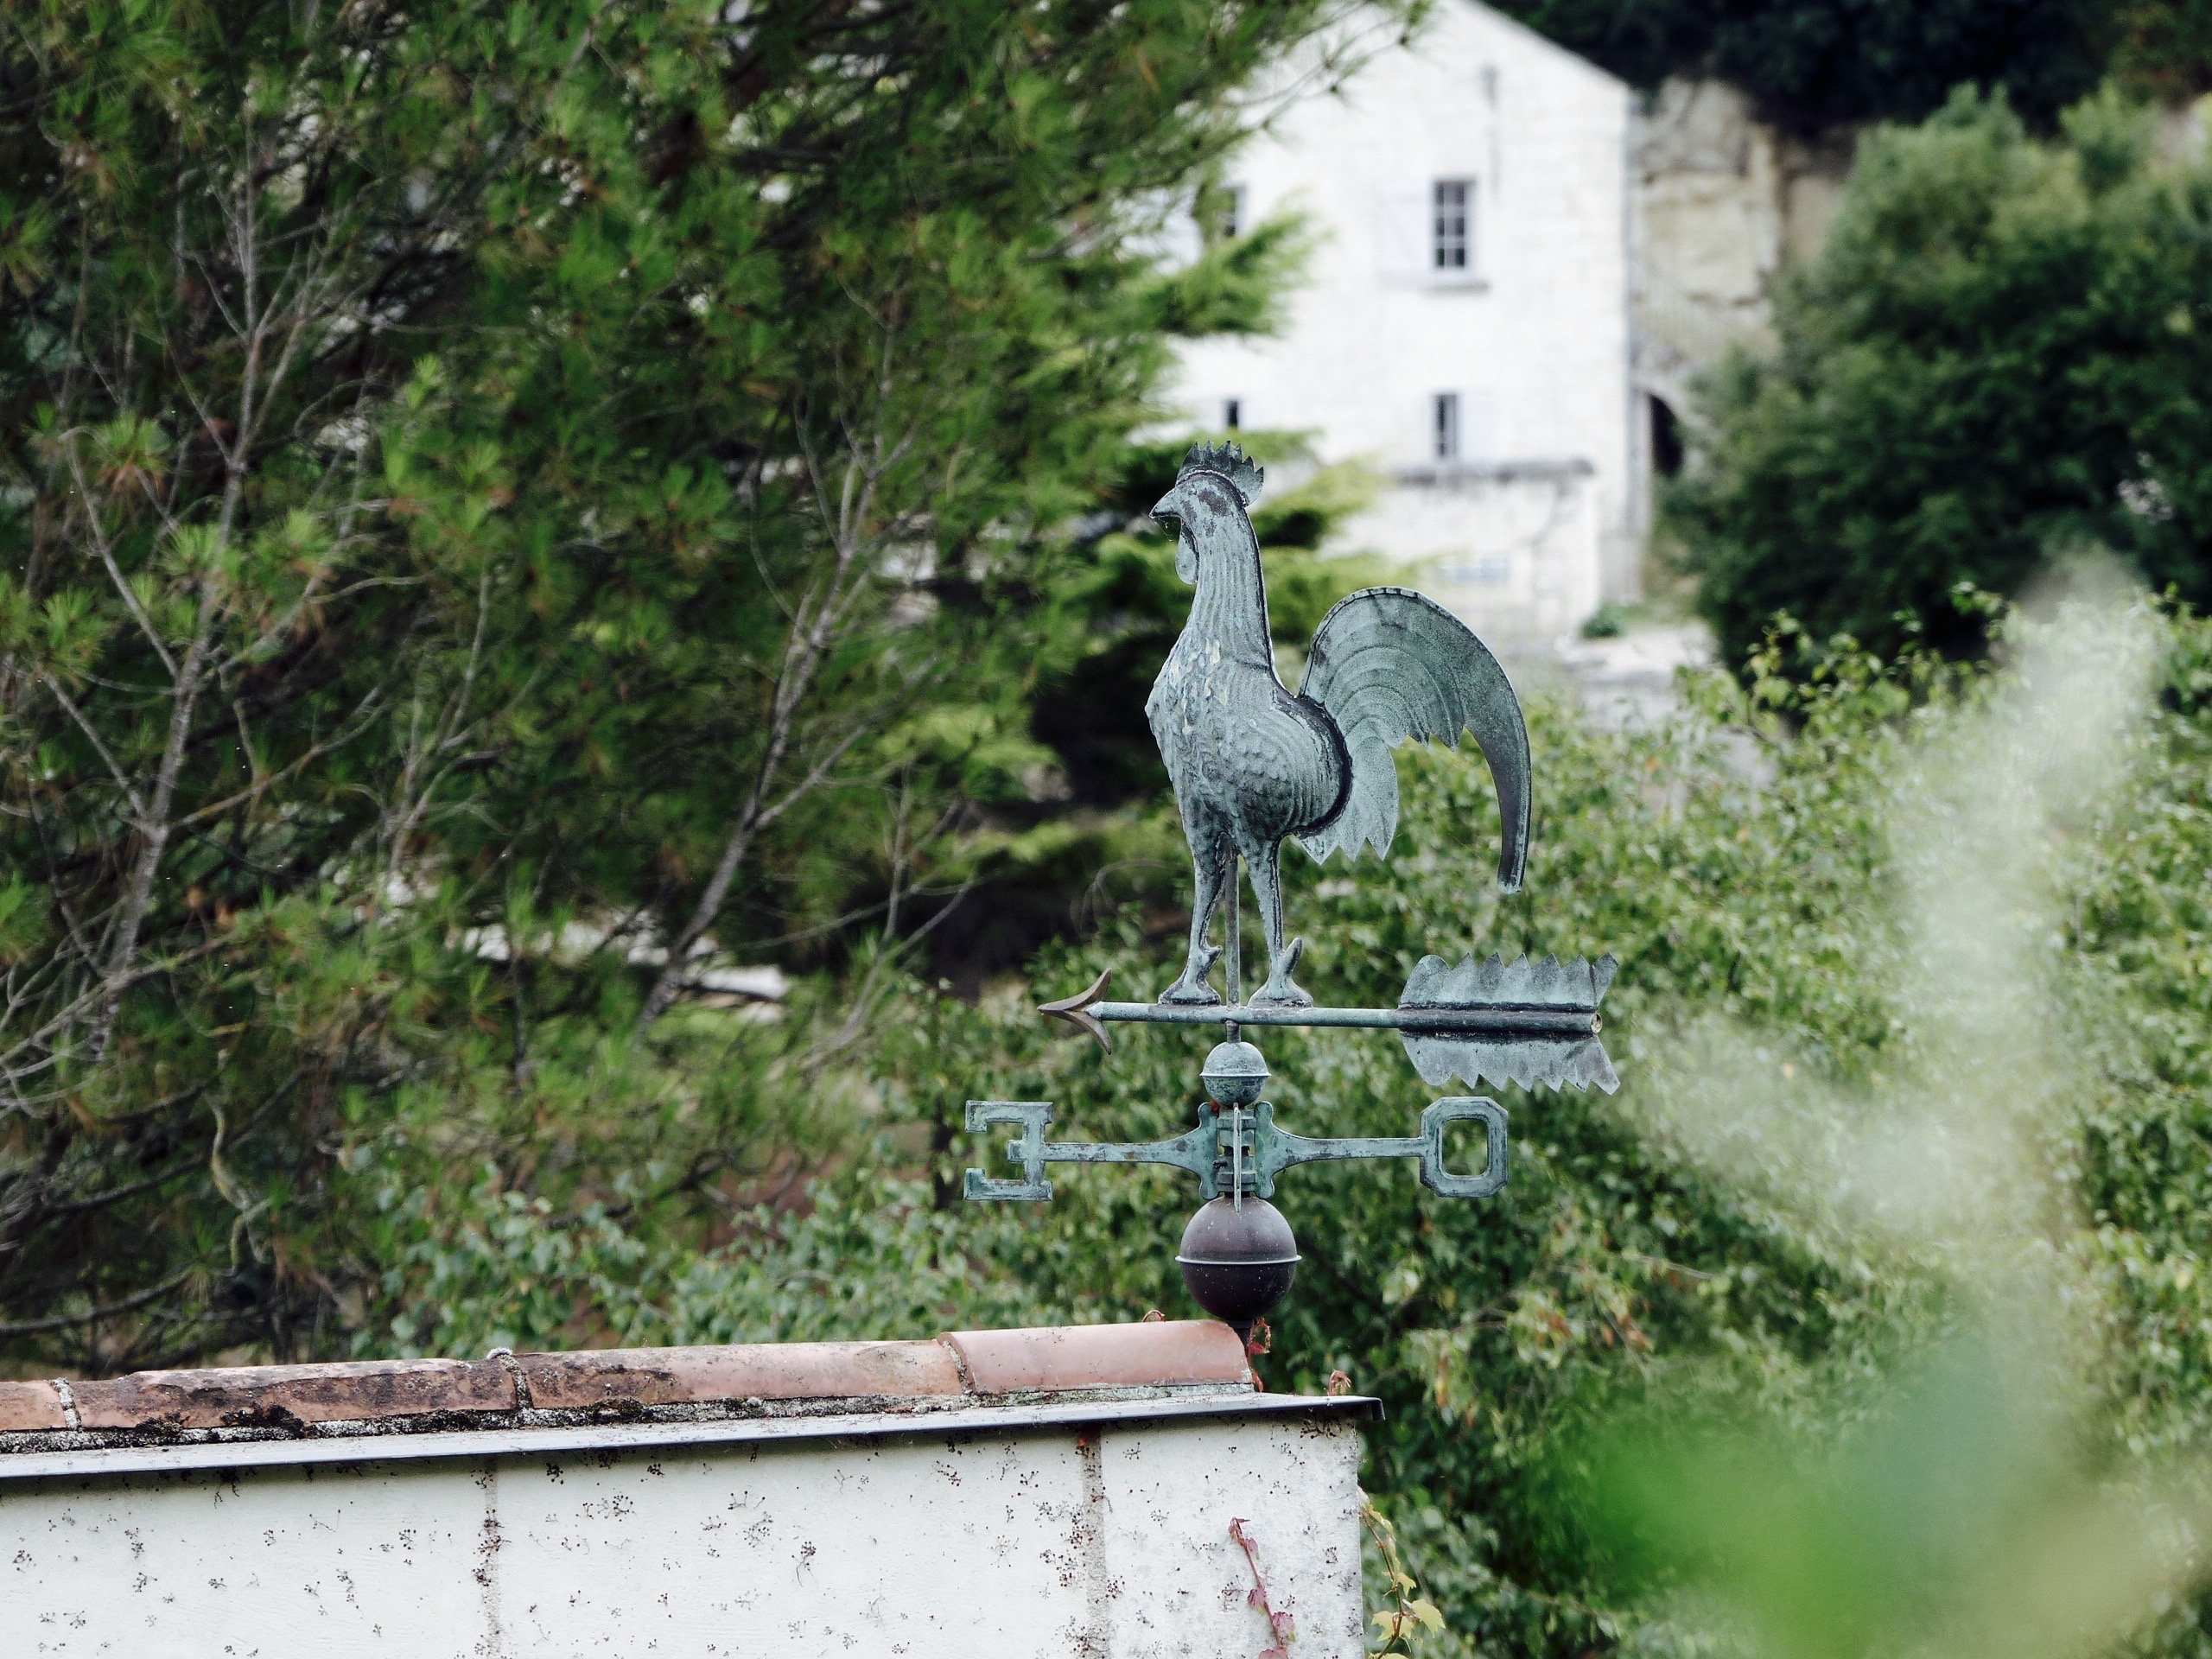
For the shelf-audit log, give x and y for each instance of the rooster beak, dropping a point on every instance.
(1171, 506)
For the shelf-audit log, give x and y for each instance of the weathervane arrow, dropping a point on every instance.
(1533, 1023)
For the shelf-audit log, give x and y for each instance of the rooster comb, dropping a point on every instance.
(1244, 474)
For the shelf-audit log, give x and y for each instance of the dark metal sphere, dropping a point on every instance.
(1234, 1074)
(1238, 1262)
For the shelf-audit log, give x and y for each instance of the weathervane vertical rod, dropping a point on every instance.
(1233, 934)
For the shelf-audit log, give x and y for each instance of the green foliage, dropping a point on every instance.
(1810, 63)
(1752, 861)
(2165, 47)
(1608, 621)
(501, 509)
(1412, 1613)
(1996, 357)
(1948, 1514)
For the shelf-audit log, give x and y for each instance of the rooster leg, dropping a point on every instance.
(1266, 865)
(1207, 863)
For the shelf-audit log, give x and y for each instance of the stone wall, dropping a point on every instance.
(1724, 205)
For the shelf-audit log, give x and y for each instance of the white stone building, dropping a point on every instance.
(1466, 323)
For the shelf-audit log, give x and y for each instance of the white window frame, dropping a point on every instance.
(1451, 229)
(1405, 235)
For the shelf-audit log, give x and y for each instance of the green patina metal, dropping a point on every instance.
(1237, 1150)
(1254, 765)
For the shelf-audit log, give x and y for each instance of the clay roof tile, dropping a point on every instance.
(963, 1365)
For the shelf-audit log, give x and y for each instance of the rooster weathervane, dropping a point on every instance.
(1255, 765)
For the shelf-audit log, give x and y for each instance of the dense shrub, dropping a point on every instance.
(1960, 910)
(1999, 355)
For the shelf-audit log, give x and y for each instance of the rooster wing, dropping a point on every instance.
(1390, 665)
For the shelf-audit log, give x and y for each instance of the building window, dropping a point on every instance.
(1232, 413)
(1452, 225)
(1444, 426)
(1222, 212)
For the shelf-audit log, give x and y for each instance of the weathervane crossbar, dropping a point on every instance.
(1237, 1148)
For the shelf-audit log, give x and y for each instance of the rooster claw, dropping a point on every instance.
(1282, 991)
(1192, 990)
(1200, 995)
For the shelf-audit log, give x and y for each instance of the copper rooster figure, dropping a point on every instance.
(1253, 764)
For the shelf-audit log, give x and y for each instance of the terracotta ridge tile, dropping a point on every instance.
(790, 1370)
(30, 1407)
(280, 1395)
(1166, 1353)
(960, 1365)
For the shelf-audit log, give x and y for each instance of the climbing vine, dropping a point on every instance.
(1413, 1612)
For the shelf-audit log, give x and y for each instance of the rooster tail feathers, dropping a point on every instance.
(1244, 474)
(1390, 665)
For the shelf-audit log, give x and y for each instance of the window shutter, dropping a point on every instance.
(1479, 426)
(1401, 250)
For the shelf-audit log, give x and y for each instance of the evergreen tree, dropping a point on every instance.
(498, 503)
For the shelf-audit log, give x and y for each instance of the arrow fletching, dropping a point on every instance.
(1536, 1059)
